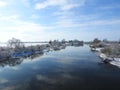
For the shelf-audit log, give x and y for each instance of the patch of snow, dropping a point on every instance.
(116, 63)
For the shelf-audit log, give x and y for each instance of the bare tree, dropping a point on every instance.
(15, 43)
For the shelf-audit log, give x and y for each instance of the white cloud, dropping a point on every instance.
(48, 3)
(66, 23)
(26, 3)
(65, 19)
(69, 19)
(12, 26)
(34, 16)
(68, 7)
(63, 4)
(9, 18)
(3, 3)
(40, 6)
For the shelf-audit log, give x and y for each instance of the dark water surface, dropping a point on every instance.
(74, 68)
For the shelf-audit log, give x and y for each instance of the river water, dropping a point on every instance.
(74, 68)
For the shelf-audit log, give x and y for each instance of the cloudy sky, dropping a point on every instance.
(39, 20)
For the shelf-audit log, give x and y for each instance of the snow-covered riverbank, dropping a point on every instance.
(107, 59)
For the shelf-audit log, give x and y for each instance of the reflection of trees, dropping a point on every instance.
(35, 56)
(17, 61)
(11, 62)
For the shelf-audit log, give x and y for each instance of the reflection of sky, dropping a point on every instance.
(2, 80)
(69, 67)
(42, 68)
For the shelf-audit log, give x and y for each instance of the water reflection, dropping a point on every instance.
(17, 61)
(74, 68)
(12, 62)
(3, 80)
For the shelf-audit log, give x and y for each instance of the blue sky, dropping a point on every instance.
(40, 20)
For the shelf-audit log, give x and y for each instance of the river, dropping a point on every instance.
(74, 68)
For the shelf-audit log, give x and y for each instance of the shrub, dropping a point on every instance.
(107, 51)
